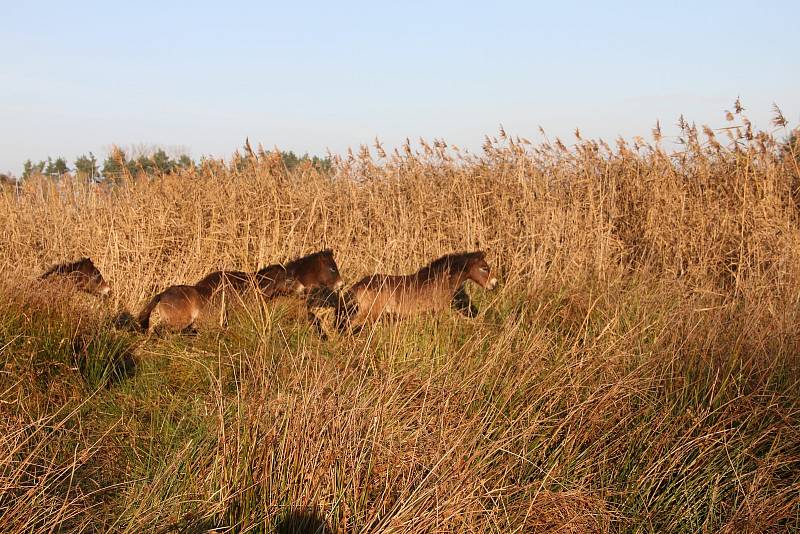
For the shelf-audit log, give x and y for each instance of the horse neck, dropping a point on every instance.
(209, 283)
(205, 291)
(270, 271)
(269, 277)
(445, 278)
(457, 280)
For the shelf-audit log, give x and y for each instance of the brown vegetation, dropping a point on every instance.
(637, 369)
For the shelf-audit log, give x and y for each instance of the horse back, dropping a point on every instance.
(236, 280)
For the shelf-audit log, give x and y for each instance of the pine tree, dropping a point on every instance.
(56, 168)
(86, 167)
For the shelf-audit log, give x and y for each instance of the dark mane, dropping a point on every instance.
(449, 263)
(271, 270)
(297, 262)
(76, 266)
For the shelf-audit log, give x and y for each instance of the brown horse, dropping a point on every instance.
(182, 305)
(434, 287)
(81, 274)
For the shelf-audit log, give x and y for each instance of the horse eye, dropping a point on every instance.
(484, 269)
(333, 269)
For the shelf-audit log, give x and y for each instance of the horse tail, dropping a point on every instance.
(144, 315)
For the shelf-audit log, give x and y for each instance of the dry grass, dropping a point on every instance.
(637, 370)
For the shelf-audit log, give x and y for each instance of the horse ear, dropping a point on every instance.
(480, 255)
(328, 252)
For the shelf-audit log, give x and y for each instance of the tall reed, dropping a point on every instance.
(637, 370)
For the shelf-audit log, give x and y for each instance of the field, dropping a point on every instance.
(636, 370)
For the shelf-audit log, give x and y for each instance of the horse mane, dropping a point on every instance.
(62, 268)
(449, 263)
(297, 262)
(266, 270)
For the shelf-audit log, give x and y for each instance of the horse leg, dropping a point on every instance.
(223, 311)
(351, 322)
(316, 322)
(345, 311)
(190, 331)
(462, 303)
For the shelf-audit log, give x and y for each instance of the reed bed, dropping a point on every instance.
(636, 370)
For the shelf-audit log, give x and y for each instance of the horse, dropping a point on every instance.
(180, 306)
(81, 275)
(434, 287)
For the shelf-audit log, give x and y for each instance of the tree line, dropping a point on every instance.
(118, 163)
(87, 166)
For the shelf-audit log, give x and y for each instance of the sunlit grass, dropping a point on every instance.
(636, 370)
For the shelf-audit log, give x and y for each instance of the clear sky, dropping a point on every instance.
(79, 76)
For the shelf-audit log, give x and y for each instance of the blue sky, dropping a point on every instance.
(79, 76)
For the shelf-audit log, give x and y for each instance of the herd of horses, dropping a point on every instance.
(315, 279)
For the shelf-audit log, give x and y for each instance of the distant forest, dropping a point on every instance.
(156, 161)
